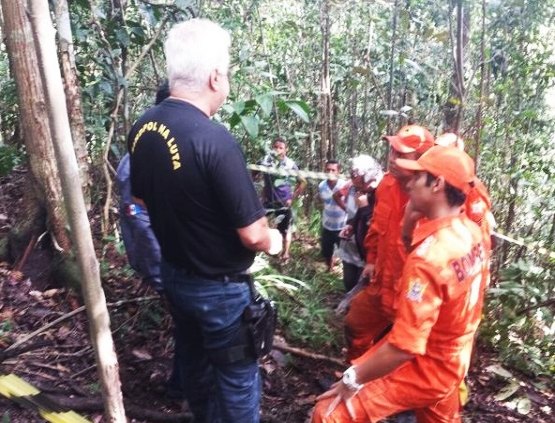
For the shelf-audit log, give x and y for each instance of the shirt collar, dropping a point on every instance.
(428, 227)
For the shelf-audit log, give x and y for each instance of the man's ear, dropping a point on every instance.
(439, 184)
(215, 80)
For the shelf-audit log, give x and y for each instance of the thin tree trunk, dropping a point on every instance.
(479, 112)
(461, 43)
(326, 110)
(512, 193)
(551, 236)
(353, 122)
(105, 221)
(73, 95)
(392, 63)
(95, 301)
(34, 120)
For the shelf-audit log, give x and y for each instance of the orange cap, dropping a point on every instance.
(453, 164)
(411, 138)
(450, 139)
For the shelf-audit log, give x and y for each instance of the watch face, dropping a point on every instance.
(349, 379)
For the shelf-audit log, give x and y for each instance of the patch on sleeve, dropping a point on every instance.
(416, 290)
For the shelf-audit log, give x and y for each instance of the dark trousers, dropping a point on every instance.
(328, 240)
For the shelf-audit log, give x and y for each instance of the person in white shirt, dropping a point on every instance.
(333, 213)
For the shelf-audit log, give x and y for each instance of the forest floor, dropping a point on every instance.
(60, 361)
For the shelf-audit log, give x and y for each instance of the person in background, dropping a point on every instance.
(333, 213)
(141, 246)
(421, 362)
(358, 197)
(191, 174)
(280, 191)
(372, 310)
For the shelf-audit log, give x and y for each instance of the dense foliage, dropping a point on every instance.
(390, 62)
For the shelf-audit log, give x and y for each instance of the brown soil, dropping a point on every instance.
(60, 361)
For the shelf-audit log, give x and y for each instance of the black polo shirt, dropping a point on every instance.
(192, 175)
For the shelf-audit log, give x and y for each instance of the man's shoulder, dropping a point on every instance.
(290, 163)
(267, 160)
(123, 167)
(448, 240)
(341, 183)
(388, 183)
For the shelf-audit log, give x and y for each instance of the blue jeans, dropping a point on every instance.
(141, 246)
(207, 316)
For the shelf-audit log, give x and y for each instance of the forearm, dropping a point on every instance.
(299, 188)
(386, 359)
(259, 237)
(339, 201)
(256, 236)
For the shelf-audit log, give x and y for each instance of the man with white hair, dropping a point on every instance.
(191, 174)
(358, 196)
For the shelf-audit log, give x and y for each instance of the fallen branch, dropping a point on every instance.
(546, 303)
(307, 354)
(71, 314)
(15, 351)
(21, 262)
(132, 410)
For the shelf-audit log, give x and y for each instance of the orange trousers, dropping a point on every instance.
(366, 320)
(399, 391)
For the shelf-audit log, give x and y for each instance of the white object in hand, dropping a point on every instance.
(276, 242)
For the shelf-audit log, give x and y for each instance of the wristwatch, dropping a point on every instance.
(350, 379)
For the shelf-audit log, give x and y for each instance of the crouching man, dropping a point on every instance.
(421, 362)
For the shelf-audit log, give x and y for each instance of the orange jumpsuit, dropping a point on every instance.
(478, 208)
(372, 310)
(439, 309)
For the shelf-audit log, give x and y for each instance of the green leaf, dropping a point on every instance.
(251, 125)
(523, 406)
(184, 4)
(300, 108)
(238, 107)
(106, 87)
(123, 37)
(362, 70)
(507, 391)
(499, 371)
(414, 65)
(234, 120)
(266, 102)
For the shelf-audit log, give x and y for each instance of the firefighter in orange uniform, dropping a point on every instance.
(421, 362)
(372, 309)
(477, 205)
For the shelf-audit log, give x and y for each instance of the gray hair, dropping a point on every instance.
(193, 49)
(367, 166)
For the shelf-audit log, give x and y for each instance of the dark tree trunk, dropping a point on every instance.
(46, 203)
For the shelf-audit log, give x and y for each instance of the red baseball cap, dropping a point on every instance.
(453, 164)
(411, 138)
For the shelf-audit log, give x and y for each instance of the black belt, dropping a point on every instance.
(236, 277)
